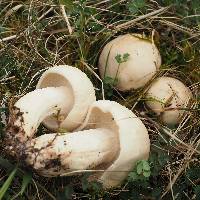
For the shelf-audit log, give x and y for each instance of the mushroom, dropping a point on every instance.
(79, 89)
(129, 59)
(62, 99)
(111, 140)
(168, 98)
(108, 138)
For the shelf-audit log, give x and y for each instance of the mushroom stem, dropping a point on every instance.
(30, 110)
(80, 150)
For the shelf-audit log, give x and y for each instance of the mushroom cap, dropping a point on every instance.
(80, 90)
(143, 61)
(165, 95)
(134, 143)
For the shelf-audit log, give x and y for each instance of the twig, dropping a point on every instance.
(8, 38)
(187, 160)
(6, 79)
(96, 75)
(47, 12)
(173, 136)
(180, 28)
(180, 141)
(170, 183)
(141, 17)
(62, 8)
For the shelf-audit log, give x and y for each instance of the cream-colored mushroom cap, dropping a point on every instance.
(141, 65)
(80, 90)
(132, 136)
(168, 97)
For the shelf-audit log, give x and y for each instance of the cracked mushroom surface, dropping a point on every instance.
(61, 100)
(142, 61)
(168, 97)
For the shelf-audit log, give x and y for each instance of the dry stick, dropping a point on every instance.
(180, 170)
(62, 8)
(6, 79)
(180, 141)
(36, 188)
(180, 28)
(170, 183)
(101, 2)
(45, 190)
(43, 15)
(172, 135)
(90, 170)
(8, 38)
(141, 17)
(96, 75)
(13, 9)
(185, 119)
(105, 1)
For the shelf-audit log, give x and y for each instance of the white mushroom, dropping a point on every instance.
(142, 60)
(113, 139)
(62, 102)
(82, 95)
(168, 98)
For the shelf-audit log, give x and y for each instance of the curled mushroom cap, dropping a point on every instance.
(112, 141)
(82, 94)
(132, 136)
(140, 65)
(168, 97)
(61, 99)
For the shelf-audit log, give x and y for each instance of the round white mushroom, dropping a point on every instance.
(168, 98)
(129, 60)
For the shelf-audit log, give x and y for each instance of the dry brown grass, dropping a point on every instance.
(35, 35)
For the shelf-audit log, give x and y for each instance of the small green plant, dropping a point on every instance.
(109, 82)
(120, 59)
(7, 183)
(15, 173)
(141, 171)
(93, 186)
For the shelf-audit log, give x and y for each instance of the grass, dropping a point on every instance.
(35, 35)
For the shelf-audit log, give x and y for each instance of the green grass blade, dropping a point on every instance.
(7, 184)
(27, 178)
